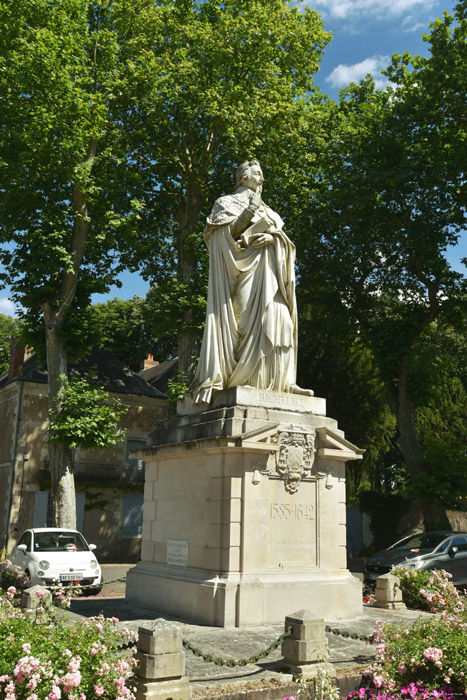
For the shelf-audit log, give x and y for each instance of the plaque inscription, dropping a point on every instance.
(177, 552)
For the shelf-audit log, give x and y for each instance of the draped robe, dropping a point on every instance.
(250, 335)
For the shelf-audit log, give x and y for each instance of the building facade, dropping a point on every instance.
(109, 482)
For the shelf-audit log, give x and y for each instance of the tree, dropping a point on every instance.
(83, 416)
(442, 420)
(336, 363)
(61, 71)
(9, 328)
(131, 328)
(115, 111)
(388, 203)
(225, 82)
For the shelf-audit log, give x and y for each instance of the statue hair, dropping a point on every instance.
(242, 171)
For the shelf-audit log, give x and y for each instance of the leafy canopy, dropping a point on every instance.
(84, 416)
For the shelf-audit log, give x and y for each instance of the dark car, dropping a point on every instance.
(426, 550)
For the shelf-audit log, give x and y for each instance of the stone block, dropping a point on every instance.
(160, 667)
(305, 626)
(388, 593)
(34, 597)
(311, 671)
(178, 689)
(307, 644)
(301, 652)
(159, 637)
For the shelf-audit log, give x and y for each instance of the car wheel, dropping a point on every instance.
(94, 590)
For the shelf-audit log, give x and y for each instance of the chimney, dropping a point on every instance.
(16, 358)
(148, 362)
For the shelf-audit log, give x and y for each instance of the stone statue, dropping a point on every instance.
(250, 336)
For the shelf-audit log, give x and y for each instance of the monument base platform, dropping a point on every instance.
(244, 515)
(244, 601)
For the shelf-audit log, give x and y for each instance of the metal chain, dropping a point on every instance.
(102, 583)
(348, 635)
(209, 658)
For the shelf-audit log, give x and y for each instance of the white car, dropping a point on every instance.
(48, 555)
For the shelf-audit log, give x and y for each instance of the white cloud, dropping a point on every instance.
(343, 74)
(411, 24)
(7, 307)
(381, 9)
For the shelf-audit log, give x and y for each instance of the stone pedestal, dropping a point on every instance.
(306, 649)
(161, 663)
(388, 593)
(244, 513)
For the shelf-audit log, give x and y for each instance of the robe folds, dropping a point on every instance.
(250, 335)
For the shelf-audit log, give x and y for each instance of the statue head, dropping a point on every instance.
(244, 171)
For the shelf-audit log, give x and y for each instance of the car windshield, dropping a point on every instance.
(57, 541)
(423, 542)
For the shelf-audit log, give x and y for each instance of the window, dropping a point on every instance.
(26, 539)
(132, 514)
(134, 467)
(459, 542)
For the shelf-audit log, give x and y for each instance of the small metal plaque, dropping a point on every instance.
(177, 552)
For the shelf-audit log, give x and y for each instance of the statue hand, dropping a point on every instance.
(261, 239)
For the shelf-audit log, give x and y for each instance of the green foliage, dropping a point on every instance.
(219, 83)
(177, 387)
(443, 433)
(11, 575)
(83, 416)
(60, 63)
(9, 328)
(431, 591)
(332, 357)
(388, 202)
(57, 657)
(383, 508)
(131, 328)
(431, 653)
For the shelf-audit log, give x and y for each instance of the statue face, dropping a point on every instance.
(254, 178)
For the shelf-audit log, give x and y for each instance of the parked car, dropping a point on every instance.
(426, 550)
(48, 555)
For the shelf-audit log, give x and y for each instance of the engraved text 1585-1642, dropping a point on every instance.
(287, 511)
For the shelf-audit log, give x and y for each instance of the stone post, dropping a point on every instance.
(388, 593)
(35, 597)
(306, 648)
(161, 663)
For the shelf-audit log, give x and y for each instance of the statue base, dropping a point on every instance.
(244, 513)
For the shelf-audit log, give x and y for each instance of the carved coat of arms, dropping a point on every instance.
(296, 456)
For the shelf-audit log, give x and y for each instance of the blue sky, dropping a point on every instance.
(366, 33)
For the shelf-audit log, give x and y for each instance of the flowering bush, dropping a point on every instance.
(57, 659)
(410, 692)
(12, 576)
(428, 590)
(432, 654)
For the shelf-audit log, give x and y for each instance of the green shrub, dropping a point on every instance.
(12, 576)
(428, 590)
(48, 658)
(432, 653)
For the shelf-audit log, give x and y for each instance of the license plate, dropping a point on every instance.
(70, 577)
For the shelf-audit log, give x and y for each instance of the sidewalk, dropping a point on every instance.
(261, 681)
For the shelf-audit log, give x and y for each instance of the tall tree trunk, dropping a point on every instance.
(54, 312)
(187, 217)
(401, 404)
(60, 456)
